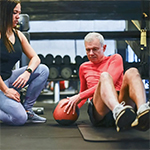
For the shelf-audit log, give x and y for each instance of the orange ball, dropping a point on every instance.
(62, 117)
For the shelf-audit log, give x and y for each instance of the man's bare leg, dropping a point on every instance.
(106, 99)
(133, 88)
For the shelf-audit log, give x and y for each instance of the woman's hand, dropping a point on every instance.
(21, 80)
(71, 103)
(13, 94)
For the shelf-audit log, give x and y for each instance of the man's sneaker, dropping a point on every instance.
(142, 121)
(124, 116)
(34, 118)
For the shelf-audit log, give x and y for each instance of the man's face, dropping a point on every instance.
(94, 51)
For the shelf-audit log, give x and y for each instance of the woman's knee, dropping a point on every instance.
(20, 119)
(19, 116)
(44, 69)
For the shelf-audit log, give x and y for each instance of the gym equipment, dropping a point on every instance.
(79, 61)
(66, 70)
(38, 110)
(66, 60)
(63, 118)
(23, 24)
(58, 60)
(49, 58)
(54, 69)
(104, 134)
(42, 58)
(85, 58)
(53, 72)
(62, 85)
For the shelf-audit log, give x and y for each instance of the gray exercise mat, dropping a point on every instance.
(91, 133)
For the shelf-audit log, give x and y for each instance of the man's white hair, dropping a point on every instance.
(92, 35)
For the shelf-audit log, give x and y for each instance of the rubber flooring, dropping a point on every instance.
(52, 136)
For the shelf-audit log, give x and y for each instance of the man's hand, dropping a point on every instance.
(71, 103)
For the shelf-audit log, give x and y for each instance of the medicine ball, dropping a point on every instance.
(62, 117)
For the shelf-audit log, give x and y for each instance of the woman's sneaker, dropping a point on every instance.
(142, 121)
(34, 118)
(124, 116)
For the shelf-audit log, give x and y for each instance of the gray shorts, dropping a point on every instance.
(107, 121)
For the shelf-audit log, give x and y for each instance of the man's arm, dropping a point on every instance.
(84, 92)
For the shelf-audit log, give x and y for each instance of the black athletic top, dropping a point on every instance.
(8, 60)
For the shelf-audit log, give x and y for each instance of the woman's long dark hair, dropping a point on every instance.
(6, 20)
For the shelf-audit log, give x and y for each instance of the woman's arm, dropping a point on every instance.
(33, 63)
(29, 52)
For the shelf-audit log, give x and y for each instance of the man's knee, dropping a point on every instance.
(105, 76)
(132, 73)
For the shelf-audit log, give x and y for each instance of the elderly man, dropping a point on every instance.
(115, 98)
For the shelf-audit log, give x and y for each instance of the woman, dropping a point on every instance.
(12, 44)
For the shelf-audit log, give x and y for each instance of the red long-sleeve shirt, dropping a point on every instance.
(89, 74)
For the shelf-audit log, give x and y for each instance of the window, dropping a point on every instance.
(72, 47)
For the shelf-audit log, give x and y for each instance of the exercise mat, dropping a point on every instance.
(103, 134)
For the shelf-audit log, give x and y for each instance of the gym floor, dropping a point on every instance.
(51, 136)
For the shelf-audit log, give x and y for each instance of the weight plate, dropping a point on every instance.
(53, 73)
(66, 73)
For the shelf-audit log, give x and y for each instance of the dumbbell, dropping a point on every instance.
(85, 58)
(58, 60)
(49, 58)
(53, 72)
(42, 58)
(66, 60)
(78, 62)
(54, 69)
(66, 70)
(38, 110)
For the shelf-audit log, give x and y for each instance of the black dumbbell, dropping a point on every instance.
(42, 58)
(53, 72)
(78, 62)
(58, 60)
(38, 110)
(66, 60)
(49, 59)
(66, 70)
(54, 69)
(85, 58)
